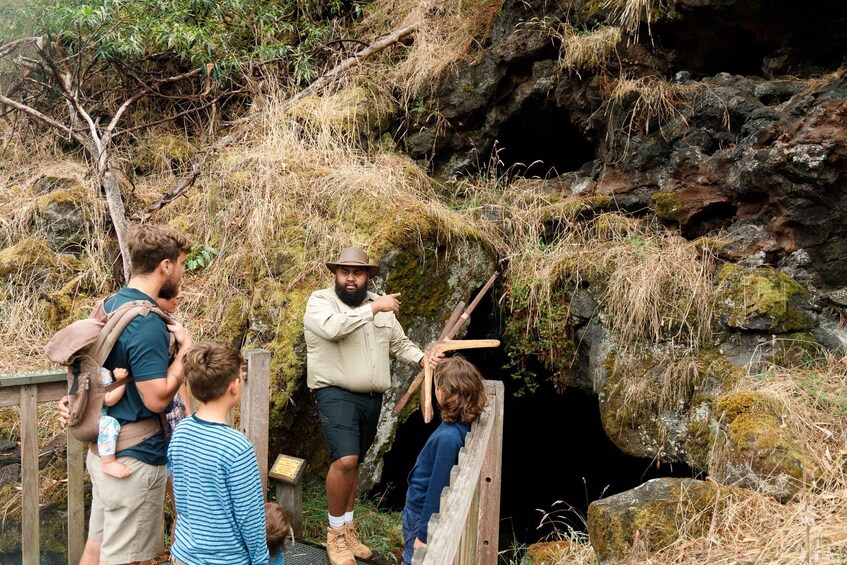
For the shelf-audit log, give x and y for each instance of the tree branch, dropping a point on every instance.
(146, 91)
(42, 118)
(174, 116)
(7, 47)
(187, 182)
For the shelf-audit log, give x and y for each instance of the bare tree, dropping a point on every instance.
(87, 98)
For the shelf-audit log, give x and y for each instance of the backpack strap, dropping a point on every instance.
(132, 433)
(118, 321)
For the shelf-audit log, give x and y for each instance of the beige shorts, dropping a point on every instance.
(127, 514)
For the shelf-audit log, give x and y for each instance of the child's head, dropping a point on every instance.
(210, 368)
(277, 526)
(167, 301)
(460, 391)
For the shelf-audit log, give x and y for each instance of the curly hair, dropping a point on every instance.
(150, 244)
(277, 526)
(462, 391)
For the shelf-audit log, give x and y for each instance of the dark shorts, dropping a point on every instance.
(349, 420)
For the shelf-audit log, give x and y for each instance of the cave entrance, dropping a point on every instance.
(557, 458)
(539, 140)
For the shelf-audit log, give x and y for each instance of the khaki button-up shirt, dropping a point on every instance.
(350, 347)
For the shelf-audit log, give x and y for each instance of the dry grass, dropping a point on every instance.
(588, 51)
(630, 14)
(656, 285)
(448, 32)
(302, 187)
(25, 297)
(753, 528)
(650, 103)
(583, 50)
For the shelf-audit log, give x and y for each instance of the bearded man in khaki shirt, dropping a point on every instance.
(351, 334)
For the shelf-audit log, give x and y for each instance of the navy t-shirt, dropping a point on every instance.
(142, 349)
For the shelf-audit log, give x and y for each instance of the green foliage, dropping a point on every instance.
(537, 333)
(815, 385)
(220, 34)
(199, 257)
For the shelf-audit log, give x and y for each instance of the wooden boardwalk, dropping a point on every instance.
(464, 532)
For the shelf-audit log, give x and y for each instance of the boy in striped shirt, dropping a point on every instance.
(217, 489)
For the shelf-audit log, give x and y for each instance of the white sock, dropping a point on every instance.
(348, 517)
(335, 521)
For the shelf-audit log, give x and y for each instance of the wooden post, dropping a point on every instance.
(76, 499)
(29, 475)
(287, 473)
(255, 407)
(488, 534)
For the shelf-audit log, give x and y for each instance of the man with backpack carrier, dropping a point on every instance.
(126, 524)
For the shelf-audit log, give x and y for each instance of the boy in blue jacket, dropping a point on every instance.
(461, 397)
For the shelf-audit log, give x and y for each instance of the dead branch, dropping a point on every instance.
(345, 65)
(12, 45)
(42, 118)
(182, 187)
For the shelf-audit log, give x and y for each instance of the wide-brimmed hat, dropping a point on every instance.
(353, 257)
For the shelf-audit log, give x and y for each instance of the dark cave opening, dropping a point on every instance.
(755, 38)
(557, 458)
(540, 141)
(713, 217)
(695, 49)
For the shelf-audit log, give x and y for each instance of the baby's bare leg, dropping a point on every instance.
(106, 443)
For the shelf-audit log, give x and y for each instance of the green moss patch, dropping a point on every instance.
(656, 513)
(762, 299)
(669, 206)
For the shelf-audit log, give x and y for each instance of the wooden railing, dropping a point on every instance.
(27, 390)
(466, 529)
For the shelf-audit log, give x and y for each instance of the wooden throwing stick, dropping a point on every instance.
(437, 347)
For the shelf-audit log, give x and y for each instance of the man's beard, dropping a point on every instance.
(351, 298)
(169, 290)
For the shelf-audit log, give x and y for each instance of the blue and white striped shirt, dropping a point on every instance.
(218, 492)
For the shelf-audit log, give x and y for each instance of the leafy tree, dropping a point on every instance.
(81, 67)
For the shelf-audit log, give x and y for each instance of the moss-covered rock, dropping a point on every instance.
(29, 257)
(669, 206)
(656, 513)
(62, 217)
(162, 153)
(763, 299)
(655, 405)
(757, 451)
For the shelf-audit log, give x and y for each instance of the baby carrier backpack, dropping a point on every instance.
(83, 347)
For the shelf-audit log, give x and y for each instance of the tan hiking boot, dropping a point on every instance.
(336, 547)
(359, 549)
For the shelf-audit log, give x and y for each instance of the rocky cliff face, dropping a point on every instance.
(724, 122)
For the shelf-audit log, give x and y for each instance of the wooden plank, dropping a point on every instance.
(290, 497)
(29, 475)
(76, 499)
(488, 532)
(255, 407)
(33, 378)
(50, 392)
(446, 533)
